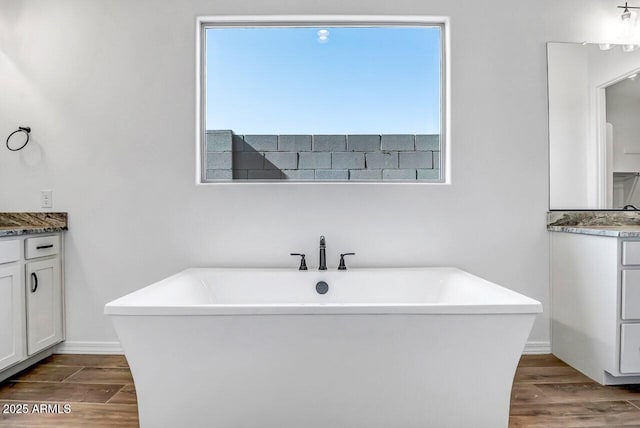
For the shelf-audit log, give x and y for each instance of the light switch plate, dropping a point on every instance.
(46, 199)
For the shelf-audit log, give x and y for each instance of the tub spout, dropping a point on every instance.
(323, 254)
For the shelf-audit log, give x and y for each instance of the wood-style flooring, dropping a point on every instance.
(547, 394)
(99, 390)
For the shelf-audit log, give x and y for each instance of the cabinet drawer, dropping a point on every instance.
(41, 246)
(9, 250)
(631, 253)
(630, 294)
(630, 348)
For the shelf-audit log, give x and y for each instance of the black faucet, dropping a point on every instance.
(323, 255)
(303, 262)
(342, 265)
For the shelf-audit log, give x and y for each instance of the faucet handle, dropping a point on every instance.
(342, 266)
(303, 263)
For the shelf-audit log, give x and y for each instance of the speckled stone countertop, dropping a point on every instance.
(12, 224)
(618, 224)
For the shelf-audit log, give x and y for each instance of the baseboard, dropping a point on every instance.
(73, 347)
(532, 348)
(70, 347)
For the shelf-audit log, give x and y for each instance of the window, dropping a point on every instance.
(322, 101)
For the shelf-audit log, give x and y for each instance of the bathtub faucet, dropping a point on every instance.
(323, 255)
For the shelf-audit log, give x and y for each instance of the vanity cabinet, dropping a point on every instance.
(595, 300)
(12, 316)
(31, 299)
(44, 304)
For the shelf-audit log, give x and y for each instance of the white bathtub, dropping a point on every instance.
(384, 348)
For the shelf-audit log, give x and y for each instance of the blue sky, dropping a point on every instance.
(383, 80)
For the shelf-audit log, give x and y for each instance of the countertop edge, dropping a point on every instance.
(14, 223)
(594, 230)
(18, 231)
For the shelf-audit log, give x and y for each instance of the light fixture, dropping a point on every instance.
(630, 47)
(626, 13)
(628, 19)
(633, 77)
(605, 46)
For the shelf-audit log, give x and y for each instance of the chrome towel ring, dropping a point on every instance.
(21, 129)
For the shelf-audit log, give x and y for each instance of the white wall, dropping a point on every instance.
(108, 88)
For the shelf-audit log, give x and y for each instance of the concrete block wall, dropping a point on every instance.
(403, 157)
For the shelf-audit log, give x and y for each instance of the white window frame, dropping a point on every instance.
(204, 22)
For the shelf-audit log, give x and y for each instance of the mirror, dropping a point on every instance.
(594, 126)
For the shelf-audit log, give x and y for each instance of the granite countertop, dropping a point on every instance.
(23, 223)
(615, 231)
(618, 224)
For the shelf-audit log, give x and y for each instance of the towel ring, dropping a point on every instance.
(26, 130)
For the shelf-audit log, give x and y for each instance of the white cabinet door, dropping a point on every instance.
(44, 304)
(11, 316)
(630, 348)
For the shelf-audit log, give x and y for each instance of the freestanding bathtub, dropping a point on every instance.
(383, 348)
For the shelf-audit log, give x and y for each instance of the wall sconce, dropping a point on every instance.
(628, 19)
(626, 13)
(628, 41)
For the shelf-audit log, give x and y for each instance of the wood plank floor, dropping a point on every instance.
(99, 390)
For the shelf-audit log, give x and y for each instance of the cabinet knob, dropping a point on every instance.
(34, 282)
